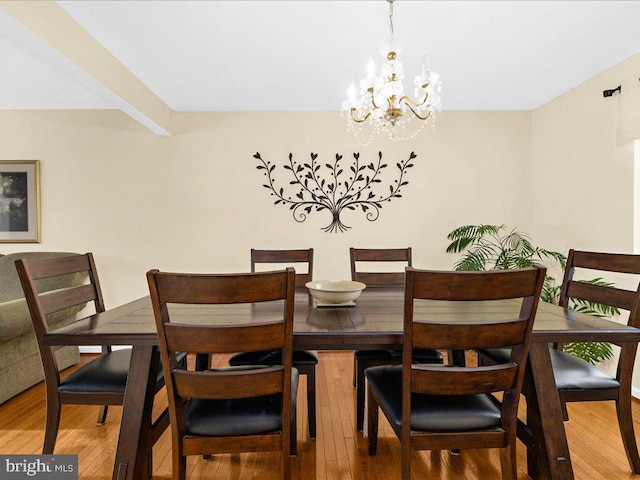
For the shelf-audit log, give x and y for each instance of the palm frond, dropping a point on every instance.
(592, 352)
(476, 258)
(467, 235)
(542, 253)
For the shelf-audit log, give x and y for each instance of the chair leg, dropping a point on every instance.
(565, 412)
(293, 437)
(355, 369)
(179, 466)
(508, 461)
(406, 460)
(309, 372)
(372, 422)
(311, 400)
(150, 463)
(625, 421)
(102, 414)
(286, 464)
(52, 426)
(360, 394)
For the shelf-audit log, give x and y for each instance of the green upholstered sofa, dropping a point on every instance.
(20, 364)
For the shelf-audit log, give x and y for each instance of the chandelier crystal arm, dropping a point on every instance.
(411, 105)
(373, 102)
(357, 120)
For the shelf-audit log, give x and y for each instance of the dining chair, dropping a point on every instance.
(438, 407)
(363, 359)
(578, 380)
(232, 409)
(304, 361)
(100, 382)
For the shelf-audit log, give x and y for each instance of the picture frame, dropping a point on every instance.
(19, 201)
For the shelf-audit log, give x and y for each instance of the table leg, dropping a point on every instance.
(458, 358)
(133, 441)
(548, 457)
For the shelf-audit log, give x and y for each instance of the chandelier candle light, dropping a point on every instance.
(382, 102)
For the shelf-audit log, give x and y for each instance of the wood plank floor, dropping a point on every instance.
(338, 452)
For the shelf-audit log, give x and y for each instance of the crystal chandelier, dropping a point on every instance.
(382, 103)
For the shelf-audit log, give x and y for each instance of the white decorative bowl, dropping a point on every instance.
(342, 292)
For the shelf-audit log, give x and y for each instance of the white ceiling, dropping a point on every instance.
(302, 55)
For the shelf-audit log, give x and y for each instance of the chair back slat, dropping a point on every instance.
(381, 254)
(379, 279)
(222, 339)
(53, 267)
(453, 336)
(358, 255)
(57, 300)
(446, 380)
(288, 258)
(470, 286)
(221, 288)
(612, 296)
(607, 262)
(217, 385)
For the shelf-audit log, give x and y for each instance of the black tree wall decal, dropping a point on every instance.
(344, 184)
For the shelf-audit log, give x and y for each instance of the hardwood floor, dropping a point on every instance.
(337, 453)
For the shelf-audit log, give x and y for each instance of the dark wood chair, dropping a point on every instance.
(303, 360)
(233, 409)
(577, 380)
(363, 359)
(438, 407)
(102, 381)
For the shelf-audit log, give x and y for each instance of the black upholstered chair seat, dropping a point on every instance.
(107, 373)
(432, 412)
(371, 358)
(571, 372)
(274, 357)
(495, 355)
(426, 355)
(246, 416)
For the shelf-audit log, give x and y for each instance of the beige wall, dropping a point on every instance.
(583, 183)
(195, 201)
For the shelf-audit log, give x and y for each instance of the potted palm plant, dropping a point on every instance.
(494, 247)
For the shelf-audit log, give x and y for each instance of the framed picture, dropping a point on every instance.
(19, 201)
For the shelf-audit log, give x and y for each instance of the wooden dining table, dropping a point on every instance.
(374, 322)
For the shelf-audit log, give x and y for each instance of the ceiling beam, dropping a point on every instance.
(57, 28)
